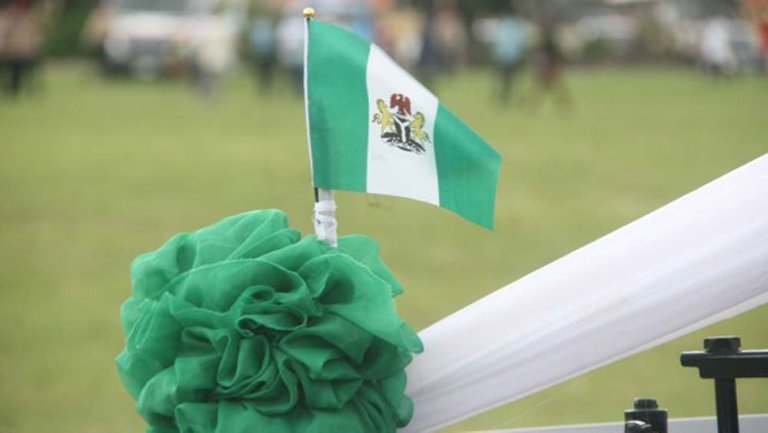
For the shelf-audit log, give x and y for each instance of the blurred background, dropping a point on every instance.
(123, 122)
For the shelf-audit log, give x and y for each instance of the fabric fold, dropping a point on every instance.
(242, 326)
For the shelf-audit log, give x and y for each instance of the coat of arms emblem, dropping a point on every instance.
(399, 127)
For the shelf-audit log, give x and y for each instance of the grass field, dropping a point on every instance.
(93, 173)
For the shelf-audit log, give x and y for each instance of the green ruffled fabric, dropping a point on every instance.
(243, 326)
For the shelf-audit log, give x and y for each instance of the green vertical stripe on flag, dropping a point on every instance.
(467, 169)
(338, 107)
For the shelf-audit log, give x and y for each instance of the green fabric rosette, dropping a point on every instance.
(243, 326)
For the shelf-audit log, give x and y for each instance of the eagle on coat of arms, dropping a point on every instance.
(399, 127)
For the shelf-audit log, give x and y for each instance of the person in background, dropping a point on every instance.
(451, 35)
(263, 44)
(715, 49)
(430, 57)
(509, 51)
(212, 59)
(290, 47)
(21, 40)
(443, 42)
(762, 32)
(549, 65)
(405, 30)
(94, 33)
(217, 46)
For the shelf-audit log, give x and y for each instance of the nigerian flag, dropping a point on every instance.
(374, 128)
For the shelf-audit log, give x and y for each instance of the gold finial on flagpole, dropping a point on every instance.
(309, 13)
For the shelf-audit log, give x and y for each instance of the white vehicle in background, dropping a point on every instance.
(150, 38)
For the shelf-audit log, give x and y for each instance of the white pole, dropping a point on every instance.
(698, 260)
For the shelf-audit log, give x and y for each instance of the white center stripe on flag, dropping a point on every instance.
(393, 170)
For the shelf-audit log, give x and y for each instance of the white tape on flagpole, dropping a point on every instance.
(698, 260)
(325, 217)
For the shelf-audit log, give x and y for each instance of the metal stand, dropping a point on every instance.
(645, 417)
(724, 362)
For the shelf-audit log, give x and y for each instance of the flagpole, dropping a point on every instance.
(325, 207)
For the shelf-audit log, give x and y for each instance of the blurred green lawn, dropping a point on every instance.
(94, 172)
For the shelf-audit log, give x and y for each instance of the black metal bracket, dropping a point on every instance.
(724, 362)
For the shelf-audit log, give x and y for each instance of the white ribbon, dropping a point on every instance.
(700, 259)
